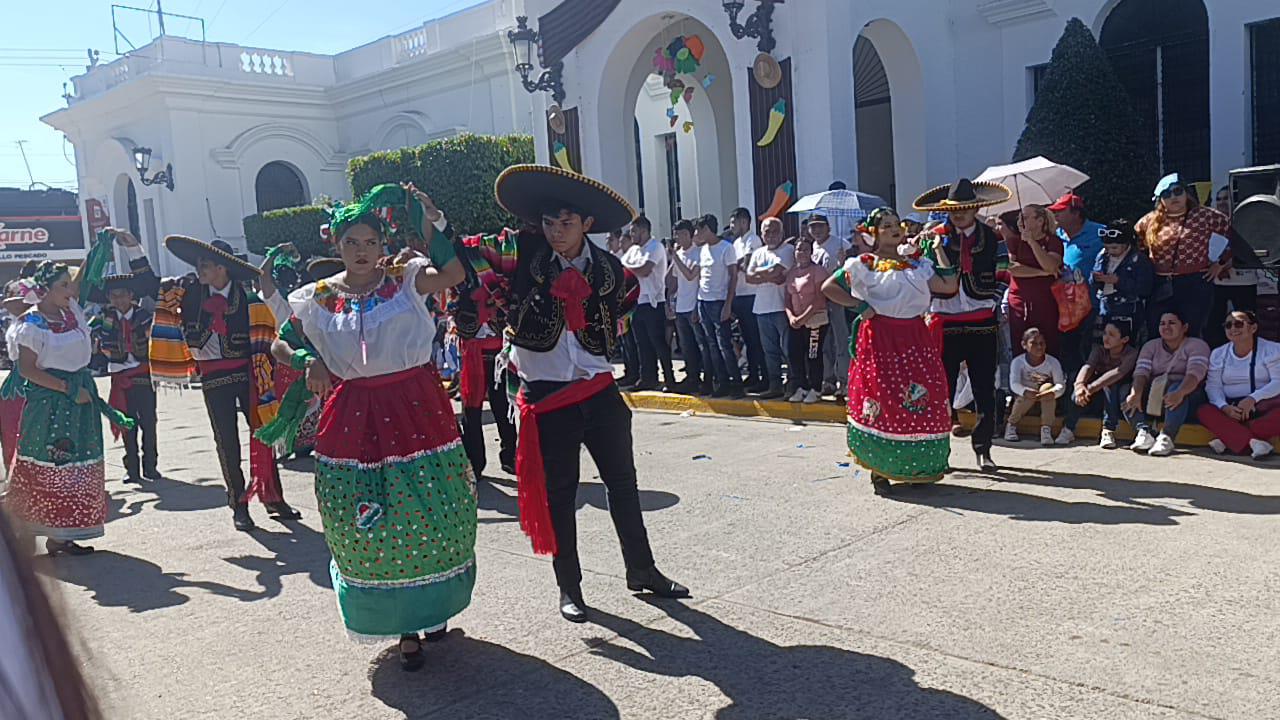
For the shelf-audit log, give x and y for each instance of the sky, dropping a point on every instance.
(46, 44)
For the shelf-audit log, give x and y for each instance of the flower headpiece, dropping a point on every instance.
(399, 215)
(37, 286)
(872, 220)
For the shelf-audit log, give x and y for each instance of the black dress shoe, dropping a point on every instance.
(413, 659)
(646, 385)
(152, 474)
(772, 393)
(282, 511)
(656, 583)
(436, 635)
(59, 547)
(572, 607)
(240, 517)
(133, 479)
(757, 387)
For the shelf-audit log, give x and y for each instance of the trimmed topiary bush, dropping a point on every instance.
(298, 225)
(1083, 117)
(457, 173)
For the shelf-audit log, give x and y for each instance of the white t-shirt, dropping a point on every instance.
(1020, 371)
(716, 261)
(743, 248)
(686, 289)
(1228, 376)
(653, 287)
(770, 298)
(398, 329)
(833, 250)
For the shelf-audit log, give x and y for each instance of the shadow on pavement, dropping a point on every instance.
(490, 497)
(123, 581)
(1136, 498)
(127, 500)
(296, 551)
(765, 680)
(468, 678)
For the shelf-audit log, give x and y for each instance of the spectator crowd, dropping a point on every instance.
(1170, 334)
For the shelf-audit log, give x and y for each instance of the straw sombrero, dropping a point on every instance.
(526, 190)
(963, 194)
(324, 267)
(191, 251)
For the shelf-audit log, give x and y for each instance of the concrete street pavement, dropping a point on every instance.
(1079, 583)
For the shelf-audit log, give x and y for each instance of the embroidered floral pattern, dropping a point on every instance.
(335, 301)
(879, 264)
(915, 398)
(870, 410)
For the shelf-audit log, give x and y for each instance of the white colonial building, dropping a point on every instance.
(251, 129)
(889, 96)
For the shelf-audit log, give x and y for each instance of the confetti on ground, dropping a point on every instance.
(802, 446)
(842, 464)
(701, 457)
(687, 413)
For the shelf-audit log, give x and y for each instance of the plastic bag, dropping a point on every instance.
(1074, 299)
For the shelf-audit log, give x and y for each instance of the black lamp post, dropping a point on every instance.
(525, 40)
(142, 161)
(758, 25)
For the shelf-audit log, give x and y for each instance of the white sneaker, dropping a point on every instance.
(1162, 447)
(798, 395)
(812, 397)
(1217, 446)
(1065, 437)
(1143, 441)
(1011, 432)
(1046, 435)
(1260, 448)
(1108, 439)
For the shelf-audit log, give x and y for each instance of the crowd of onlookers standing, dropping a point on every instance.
(1172, 335)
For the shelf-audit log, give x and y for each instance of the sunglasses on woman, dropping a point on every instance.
(1234, 324)
(1173, 192)
(1110, 234)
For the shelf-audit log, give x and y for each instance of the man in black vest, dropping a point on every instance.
(567, 297)
(968, 318)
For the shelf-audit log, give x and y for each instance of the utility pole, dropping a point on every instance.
(160, 13)
(23, 150)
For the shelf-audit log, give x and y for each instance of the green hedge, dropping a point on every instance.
(457, 173)
(297, 225)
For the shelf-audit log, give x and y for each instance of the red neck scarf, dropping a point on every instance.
(572, 288)
(216, 306)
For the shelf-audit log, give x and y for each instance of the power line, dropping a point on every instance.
(265, 19)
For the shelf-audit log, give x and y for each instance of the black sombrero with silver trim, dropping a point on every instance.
(191, 250)
(963, 194)
(526, 190)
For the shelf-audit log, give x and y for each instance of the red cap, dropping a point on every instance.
(1070, 200)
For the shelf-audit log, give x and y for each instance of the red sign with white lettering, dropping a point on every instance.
(49, 237)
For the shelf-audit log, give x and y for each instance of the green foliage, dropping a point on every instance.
(457, 172)
(1083, 117)
(297, 225)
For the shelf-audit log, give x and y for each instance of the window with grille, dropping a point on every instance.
(278, 186)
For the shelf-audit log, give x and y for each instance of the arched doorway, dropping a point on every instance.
(279, 185)
(681, 153)
(873, 120)
(889, 115)
(1160, 52)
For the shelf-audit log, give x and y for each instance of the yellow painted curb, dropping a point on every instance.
(827, 412)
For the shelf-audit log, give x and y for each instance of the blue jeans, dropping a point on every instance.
(1110, 400)
(744, 311)
(717, 345)
(1173, 419)
(689, 330)
(774, 331)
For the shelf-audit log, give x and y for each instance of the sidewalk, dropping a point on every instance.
(831, 412)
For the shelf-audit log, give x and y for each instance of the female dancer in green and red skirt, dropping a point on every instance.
(899, 423)
(394, 486)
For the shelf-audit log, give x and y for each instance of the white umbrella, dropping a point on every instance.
(1038, 181)
(838, 203)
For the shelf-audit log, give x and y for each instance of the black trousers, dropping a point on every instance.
(142, 407)
(226, 398)
(804, 357)
(473, 423)
(979, 352)
(649, 324)
(602, 424)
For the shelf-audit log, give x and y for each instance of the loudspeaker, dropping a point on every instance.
(1255, 194)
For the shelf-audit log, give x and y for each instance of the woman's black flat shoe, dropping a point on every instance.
(56, 548)
(881, 486)
(414, 659)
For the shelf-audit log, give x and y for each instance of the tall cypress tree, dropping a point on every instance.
(1083, 117)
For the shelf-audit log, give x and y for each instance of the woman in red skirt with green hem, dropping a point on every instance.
(899, 422)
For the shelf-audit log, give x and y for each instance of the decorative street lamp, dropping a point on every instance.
(524, 40)
(758, 25)
(142, 161)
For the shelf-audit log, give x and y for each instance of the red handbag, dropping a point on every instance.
(1074, 298)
